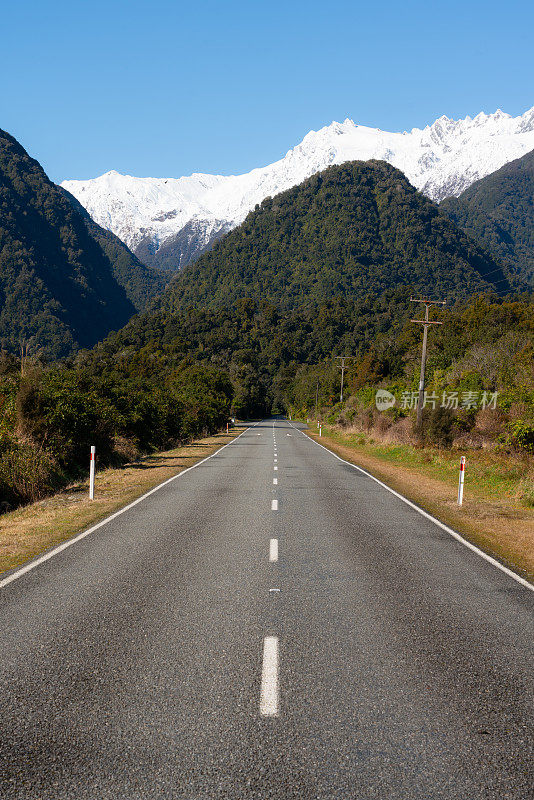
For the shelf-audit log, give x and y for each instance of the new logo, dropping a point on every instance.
(384, 399)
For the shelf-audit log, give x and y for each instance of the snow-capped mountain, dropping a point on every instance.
(170, 221)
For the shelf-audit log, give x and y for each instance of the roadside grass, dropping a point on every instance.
(489, 475)
(31, 530)
(497, 513)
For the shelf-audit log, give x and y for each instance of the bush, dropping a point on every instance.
(438, 426)
(489, 422)
(519, 435)
(28, 473)
(59, 414)
(383, 422)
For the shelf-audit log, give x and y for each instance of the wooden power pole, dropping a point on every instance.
(426, 322)
(342, 365)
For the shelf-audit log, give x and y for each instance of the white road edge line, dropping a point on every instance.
(275, 468)
(269, 678)
(83, 534)
(274, 505)
(273, 550)
(428, 516)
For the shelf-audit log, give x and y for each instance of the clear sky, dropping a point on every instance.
(168, 88)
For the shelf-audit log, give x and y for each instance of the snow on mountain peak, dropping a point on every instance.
(156, 214)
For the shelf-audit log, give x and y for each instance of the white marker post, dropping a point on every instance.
(92, 474)
(320, 430)
(461, 481)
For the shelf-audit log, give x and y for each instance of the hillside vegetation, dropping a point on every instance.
(498, 213)
(64, 282)
(141, 283)
(50, 417)
(353, 231)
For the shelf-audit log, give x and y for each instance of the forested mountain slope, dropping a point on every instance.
(60, 277)
(140, 282)
(353, 231)
(498, 212)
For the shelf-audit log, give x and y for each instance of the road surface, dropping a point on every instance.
(271, 624)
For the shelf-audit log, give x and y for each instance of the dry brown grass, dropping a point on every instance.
(30, 530)
(500, 527)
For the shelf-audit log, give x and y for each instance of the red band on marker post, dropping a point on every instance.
(92, 474)
(461, 481)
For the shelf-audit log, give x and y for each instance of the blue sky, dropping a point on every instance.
(170, 88)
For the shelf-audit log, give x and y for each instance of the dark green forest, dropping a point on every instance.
(266, 351)
(64, 282)
(167, 378)
(353, 231)
(498, 212)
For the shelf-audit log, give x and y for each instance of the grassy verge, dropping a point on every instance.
(492, 516)
(32, 529)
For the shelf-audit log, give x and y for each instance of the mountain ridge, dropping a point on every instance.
(353, 230)
(442, 159)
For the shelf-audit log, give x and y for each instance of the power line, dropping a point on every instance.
(485, 274)
(499, 280)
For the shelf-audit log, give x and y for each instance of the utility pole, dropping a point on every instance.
(342, 365)
(425, 323)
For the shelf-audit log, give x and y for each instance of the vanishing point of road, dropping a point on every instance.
(273, 623)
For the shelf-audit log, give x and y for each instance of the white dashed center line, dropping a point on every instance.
(273, 550)
(269, 678)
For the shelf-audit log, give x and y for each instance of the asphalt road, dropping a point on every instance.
(233, 637)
